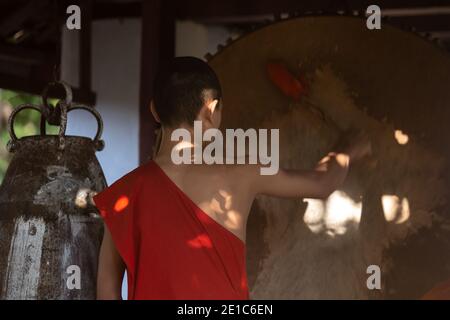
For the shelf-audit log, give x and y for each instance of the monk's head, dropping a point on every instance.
(186, 90)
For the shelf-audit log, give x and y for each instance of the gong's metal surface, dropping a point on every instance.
(383, 81)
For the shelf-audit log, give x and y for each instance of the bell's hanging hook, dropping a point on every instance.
(57, 116)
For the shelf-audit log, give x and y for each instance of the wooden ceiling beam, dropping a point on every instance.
(24, 55)
(423, 23)
(106, 10)
(33, 86)
(206, 9)
(14, 20)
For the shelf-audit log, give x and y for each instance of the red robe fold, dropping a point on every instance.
(171, 248)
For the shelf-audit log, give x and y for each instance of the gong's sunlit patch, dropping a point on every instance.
(401, 137)
(121, 204)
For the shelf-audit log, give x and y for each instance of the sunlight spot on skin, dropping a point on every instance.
(227, 197)
(121, 204)
(201, 241)
(183, 145)
(333, 214)
(233, 219)
(220, 209)
(216, 206)
(342, 159)
(222, 204)
(395, 210)
(402, 138)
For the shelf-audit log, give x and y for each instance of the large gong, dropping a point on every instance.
(392, 212)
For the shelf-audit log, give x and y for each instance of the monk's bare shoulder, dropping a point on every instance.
(241, 176)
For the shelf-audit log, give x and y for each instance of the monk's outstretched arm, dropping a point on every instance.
(110, 270)
(320, 182)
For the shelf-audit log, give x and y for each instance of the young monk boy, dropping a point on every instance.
(179, 230)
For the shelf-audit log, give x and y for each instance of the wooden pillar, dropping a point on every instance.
(157, 48)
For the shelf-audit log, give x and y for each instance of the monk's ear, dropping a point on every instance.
(153, 111)
(213, 105)
(208, 113)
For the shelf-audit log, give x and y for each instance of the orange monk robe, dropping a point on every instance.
(171, 248)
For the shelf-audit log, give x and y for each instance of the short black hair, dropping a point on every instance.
(181, 89)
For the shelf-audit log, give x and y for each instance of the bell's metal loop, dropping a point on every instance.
(13, 142)
(68, 91)
(99, 144)
(56, 116)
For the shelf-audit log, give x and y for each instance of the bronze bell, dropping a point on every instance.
(50, 233)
